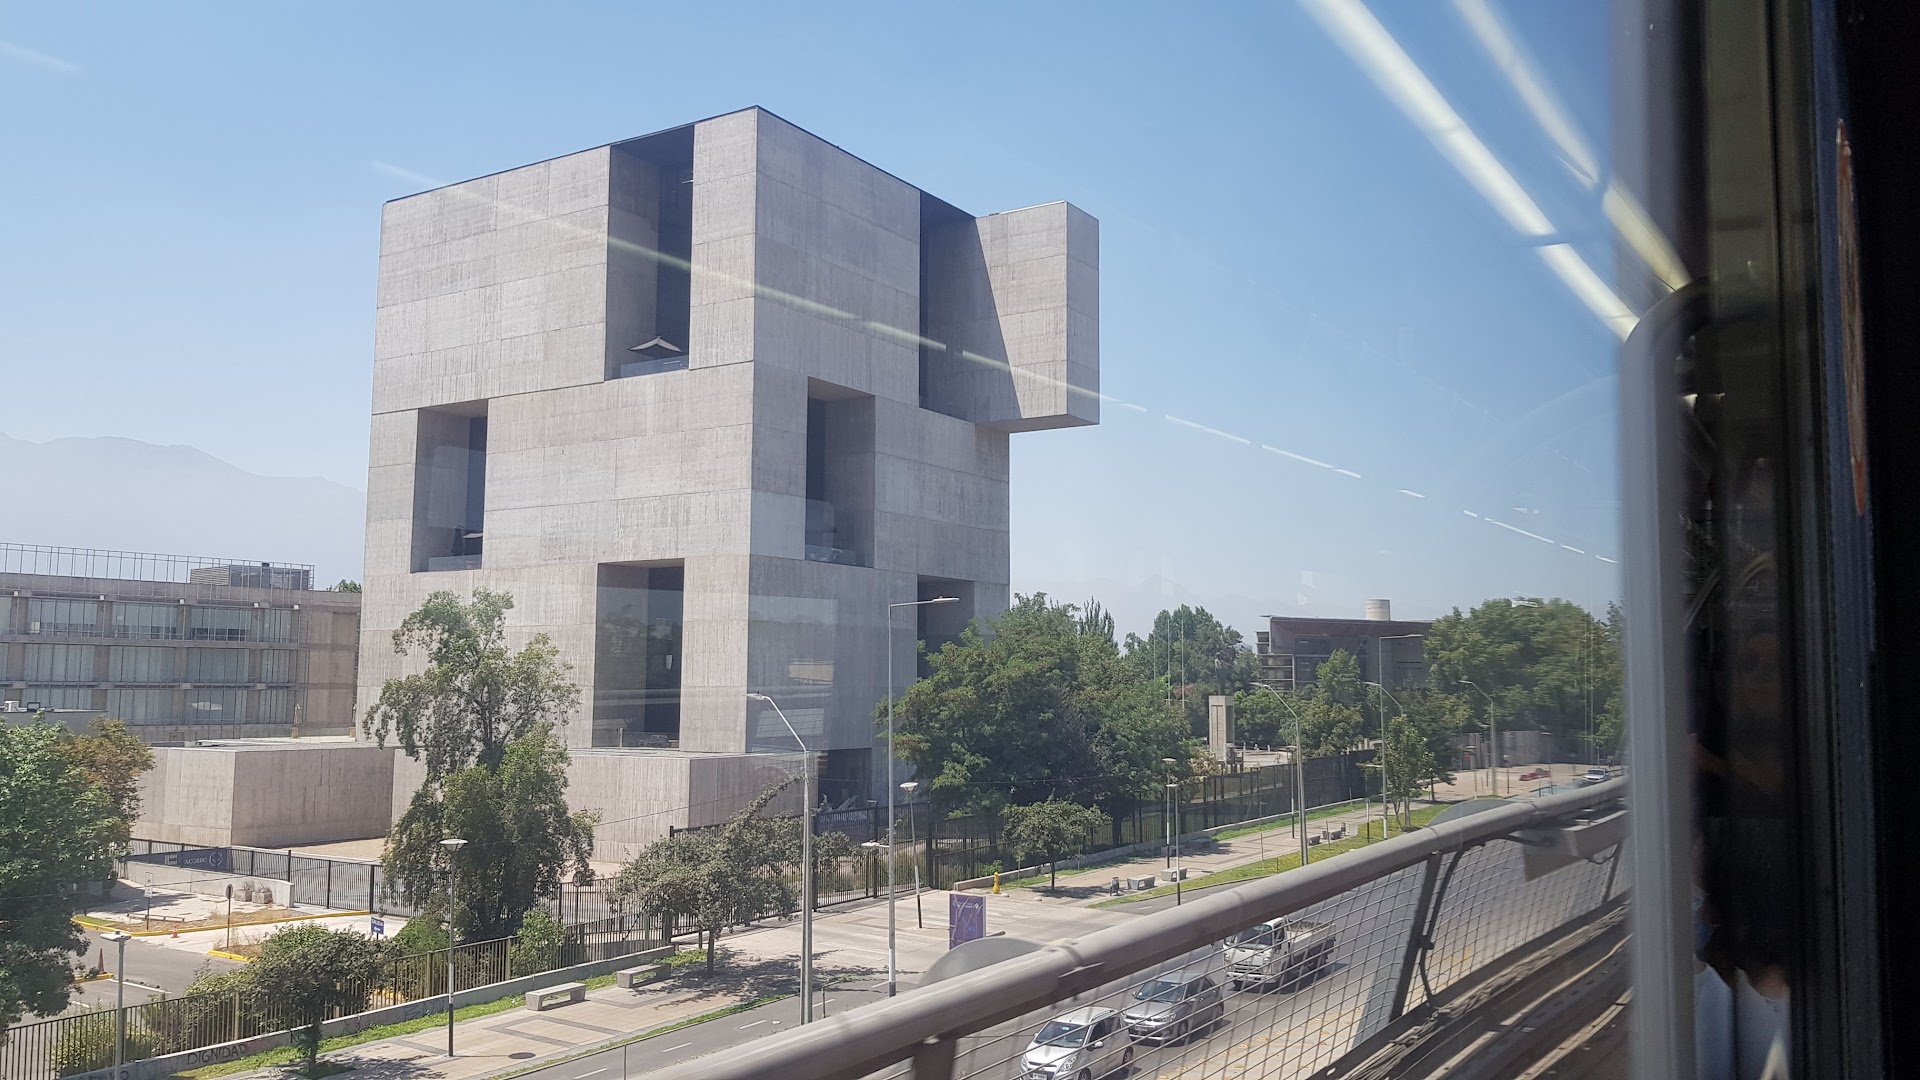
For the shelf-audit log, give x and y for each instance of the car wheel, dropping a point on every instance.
(1180, 1032)
(1235, 983)
(1126, 1061)
(1085, 1074)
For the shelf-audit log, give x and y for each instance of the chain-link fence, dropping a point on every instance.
(1286, 977)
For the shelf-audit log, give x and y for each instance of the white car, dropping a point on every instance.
(1079, 1045)
(1596, 775)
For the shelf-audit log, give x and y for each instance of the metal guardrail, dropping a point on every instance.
(1415, 918)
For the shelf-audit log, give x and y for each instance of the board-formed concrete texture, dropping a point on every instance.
(818, 292)
(266, 792)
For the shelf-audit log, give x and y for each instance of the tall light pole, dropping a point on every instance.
(1385, 696)
(1166, 815)
(453, 846)
(1299, 769)
(119, 939)
(806, 862)
(893, 968)
(913, 845)
(1493, 723)
(1178, 871)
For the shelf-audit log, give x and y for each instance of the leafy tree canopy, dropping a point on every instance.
(1546, 665)
(57, 829)
(113, 759)
(1052, 830)
(315, 974)
(1195, 655)
(711, 879)
(476, 696)
(1034, 704)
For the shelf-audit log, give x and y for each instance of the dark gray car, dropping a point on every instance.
(1170, 1007)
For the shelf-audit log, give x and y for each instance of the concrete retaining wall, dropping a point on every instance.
(167, 1065)
(267, 793)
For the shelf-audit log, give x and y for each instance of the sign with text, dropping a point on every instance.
(966, 918)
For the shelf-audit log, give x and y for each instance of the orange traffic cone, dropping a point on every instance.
(176, 935)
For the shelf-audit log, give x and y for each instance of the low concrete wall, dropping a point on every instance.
(167, 1065)
(267, 793)
(204, 882)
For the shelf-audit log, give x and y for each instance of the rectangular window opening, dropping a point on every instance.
(449, 494)
(839, 476)
(637, 657)
(650, 246)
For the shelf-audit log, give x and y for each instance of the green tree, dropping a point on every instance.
(113, 759)
(711, 879)
(537, 945)
(315, 974)
(1037, 703)
(1546, 664)
(1193, 655)
(522, 841)
(1336, 706)
(57, 829)
(1409, 764)
(1052, 830)
(347, 585)
(480, 718)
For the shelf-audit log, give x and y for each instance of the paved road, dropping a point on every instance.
(152, 970)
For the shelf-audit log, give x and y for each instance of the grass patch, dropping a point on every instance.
(1368, 834)
(1287, 821)
(286, 1055)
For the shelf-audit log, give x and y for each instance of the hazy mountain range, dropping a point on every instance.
(129, 495)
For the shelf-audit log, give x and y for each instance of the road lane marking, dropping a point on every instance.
(756, 1023)
(583, 1076)
(676, 1046)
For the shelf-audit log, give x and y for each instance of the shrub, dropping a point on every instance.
(88, 1045)
(537, 944)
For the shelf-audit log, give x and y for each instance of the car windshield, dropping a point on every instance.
(1260, 937)
(1058, 1033)
(1158, 990)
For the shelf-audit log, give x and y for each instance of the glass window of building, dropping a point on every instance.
(276, 624)
(216, 666)
(219, 624)
(216, 705)
(160, 622)
(273, 706)
(6, 614)
(141, 706)
(636, 699)
(276, 666)
(143, 664)
(56, 697)
(53, 615)
(60, 663)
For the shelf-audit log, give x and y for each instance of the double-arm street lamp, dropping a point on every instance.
(893, 985)
(806, 861)
(1299, 768)
(1493, 722)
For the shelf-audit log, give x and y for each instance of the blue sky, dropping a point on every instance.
(1286, 258)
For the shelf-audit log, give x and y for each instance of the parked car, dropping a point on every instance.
(1079, 1045)
(1170, 1007)
(1596, 775)
(1279, 952)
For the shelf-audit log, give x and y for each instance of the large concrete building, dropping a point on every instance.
(1388, 650)
(707, 402)
(180, 647)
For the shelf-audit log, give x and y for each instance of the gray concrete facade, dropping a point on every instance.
(266, 793)
(845, 358)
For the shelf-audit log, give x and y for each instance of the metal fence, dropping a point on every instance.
(315, 881)
(80, 1043)
(1375, 940)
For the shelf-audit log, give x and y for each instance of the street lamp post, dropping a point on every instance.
(453, 846)
(913, 845)
(893, 985)
(1299, 769)
(119, 939)
(806, 862)
(1178, 871)
(1493, 723)
(1166, 815)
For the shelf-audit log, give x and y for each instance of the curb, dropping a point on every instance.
(225, 955)
(90, 923)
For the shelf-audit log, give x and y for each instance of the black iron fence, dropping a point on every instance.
(313, 880)
(83, 1042)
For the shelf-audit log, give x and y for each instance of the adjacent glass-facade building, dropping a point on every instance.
(209, 649)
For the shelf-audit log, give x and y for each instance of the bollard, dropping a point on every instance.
(996, 883)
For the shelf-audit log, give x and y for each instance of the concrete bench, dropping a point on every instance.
(1139, 883)
(628, 978)
(563, 994)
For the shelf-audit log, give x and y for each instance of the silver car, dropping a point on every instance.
(1079, 1045)
(1172, 1006)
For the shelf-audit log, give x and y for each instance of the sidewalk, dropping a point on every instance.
(517, 1039)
